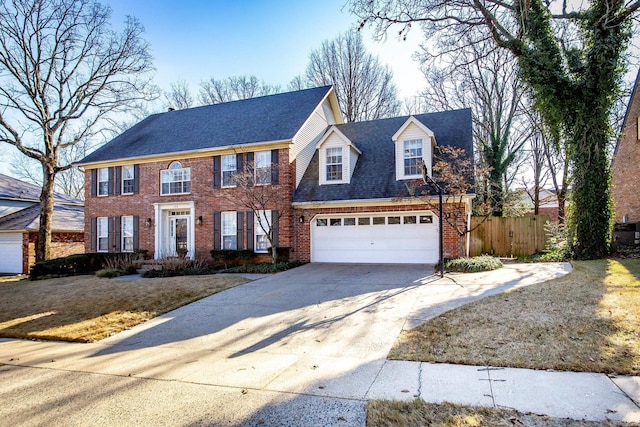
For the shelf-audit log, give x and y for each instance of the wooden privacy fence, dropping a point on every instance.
(516, 236)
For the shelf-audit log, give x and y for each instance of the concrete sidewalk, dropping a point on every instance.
(304, 347)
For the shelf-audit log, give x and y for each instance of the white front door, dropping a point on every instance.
(179, 235)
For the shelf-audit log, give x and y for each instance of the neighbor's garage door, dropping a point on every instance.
(10, 252)
(375, 238)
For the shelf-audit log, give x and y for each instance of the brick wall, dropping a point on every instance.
(302, 230)
(206, 199)
(626, 172)
(62, 245)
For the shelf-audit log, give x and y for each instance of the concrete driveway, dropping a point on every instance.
(303, 347)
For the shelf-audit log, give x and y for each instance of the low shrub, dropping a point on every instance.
(179, 267)
(109, 273)
(262, 268)
(88, 263)
(473, 265)
(225, 258)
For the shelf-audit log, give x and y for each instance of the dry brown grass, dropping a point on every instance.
(417, 413)
(588, 320)
(88, 308)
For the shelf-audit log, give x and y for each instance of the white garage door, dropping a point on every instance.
(409, 238)
(10, 252)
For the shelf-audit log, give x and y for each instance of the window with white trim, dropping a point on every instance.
(262, 167)
(228, 170)
(175, 180)
(126, 229)
(102, 238)
(103, 182)
(127, 179)
(229, 230)
(334, 163)
(412, 157)
(261, 231)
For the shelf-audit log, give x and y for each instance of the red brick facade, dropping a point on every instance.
(206, 200)
(62, 244)
(626, 173)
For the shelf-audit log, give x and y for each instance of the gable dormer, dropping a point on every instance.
(337, 158)
(414, 145)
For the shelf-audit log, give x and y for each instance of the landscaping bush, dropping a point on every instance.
(73, 265)
(180, 267)
(557, 249)
(225, 258)
(263, 268)
(109, 273)
(473, 265)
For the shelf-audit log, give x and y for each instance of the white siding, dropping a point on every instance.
(413, 132)
(11, 253)
(304, 143)
(353, 159)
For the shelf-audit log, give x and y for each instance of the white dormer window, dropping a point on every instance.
(412, 157)
(334, 163)
(414, 147)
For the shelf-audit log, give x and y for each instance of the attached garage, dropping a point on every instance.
(11, 253)
(405, 238)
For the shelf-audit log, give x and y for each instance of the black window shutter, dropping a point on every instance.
(216, 172)
(94, 233)
(94, 182)
(239, 163)
(117, 235)
(252, 168)
(274, 166)
(136, 180)
(110, 234)
(117, 186)
(240, 230)
(110, 185)
(275, 221)
(249, 230)
(136, 233)
(217, 238)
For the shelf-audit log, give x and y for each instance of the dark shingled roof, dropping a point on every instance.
(264, 119)
(14, 189)
(374, 176)
(67, 218)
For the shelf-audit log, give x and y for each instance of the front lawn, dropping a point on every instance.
(588, 320)
(88, 308)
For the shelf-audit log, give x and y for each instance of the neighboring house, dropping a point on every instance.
(548, 203)
(626, 187)
(20, 221)
(158, 185)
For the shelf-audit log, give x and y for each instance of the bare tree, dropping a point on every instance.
(486, 80)
(256, 191)
(63, 71)
(178, 97)
(364, 86)
(234, 88)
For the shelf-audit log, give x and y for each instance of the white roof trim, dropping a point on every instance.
(413, 120)
(334, 129)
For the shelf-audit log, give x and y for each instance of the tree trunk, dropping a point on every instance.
(562, 199)
(43, 248)
(496, 193)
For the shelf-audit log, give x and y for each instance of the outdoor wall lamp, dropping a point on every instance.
(199, 220)
(301, 219)
(148, 222)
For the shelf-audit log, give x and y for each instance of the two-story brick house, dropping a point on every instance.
(166, 185)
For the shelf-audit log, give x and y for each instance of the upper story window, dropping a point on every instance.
(175, 180)
(102, 234)
(229, 169)
(103, 182)
(334, 164)
(412, 157)
(128, 178)
(262, 167)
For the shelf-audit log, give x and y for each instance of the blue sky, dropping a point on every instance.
(194, 40)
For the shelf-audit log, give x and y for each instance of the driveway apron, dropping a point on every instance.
(303, 347)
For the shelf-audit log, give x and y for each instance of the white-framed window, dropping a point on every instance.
(175, 180)
(229, 169)
(127, 179)
(103, 182)
(262, 167)
(102, 238)
(412, 157)
(229, 230)
(126, 230)
(261, 240)
(334, 163)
